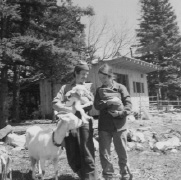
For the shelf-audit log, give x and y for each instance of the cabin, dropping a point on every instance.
(128, 71)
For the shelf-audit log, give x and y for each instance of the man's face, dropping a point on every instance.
(105, 79)
(82, 76)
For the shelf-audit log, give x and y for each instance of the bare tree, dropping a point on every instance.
(105, 41)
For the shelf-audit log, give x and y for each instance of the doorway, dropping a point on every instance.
(123, 79)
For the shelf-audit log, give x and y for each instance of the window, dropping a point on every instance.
(143, 90)
(138, 87)
(123, 79)
(134, 87)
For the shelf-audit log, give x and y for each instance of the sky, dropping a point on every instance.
(127, 9)
(117, 11)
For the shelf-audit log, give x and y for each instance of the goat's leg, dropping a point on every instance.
(3, 172)
(9, 168)
(41, 167)
(79, 108)
(1, 166)
(33, 163)
(4, 168)
(10, 173)
(55, 163)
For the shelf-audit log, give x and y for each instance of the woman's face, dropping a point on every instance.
(82, 76)
(105, 79)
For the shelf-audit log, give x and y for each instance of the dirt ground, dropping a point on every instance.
(145, 164)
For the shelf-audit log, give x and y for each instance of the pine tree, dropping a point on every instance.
(160, 44)
(39, 35)
(9, 18)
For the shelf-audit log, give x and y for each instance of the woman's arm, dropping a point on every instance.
(58, 104)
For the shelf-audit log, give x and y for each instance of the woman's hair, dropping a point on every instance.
(81, 65)
(106, 70)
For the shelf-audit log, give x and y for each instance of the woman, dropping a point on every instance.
(113, 101)
(79, 147)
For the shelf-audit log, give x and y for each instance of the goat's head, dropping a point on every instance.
(72, 95)
(69, 121)
(77, 91)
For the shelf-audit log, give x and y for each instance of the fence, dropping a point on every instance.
(165, 105)
(158, 106)
(155, 102)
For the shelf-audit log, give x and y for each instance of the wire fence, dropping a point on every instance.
(155, 103)
(165, 105)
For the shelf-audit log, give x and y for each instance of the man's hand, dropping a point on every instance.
(114, 113)
(121, 114)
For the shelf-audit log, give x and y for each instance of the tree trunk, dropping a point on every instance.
(16, 93)
(3, 96)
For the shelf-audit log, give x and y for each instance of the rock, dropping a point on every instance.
(151, 144)
(144, 129)
(174, 151)
(150, 136)
(131, 145)
(16, 140)
(131, 118)
(169, 144)
(162, 145)
(136, 136)
(174, 141)
(5, 131)
(139, 147)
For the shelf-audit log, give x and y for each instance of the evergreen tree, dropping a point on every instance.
(9, 19)
(39, 35)
(160, 44)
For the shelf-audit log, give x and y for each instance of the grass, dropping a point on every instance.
(145, 164)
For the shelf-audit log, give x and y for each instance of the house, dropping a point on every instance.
(129, 71)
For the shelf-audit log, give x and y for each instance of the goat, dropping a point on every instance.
(45, 145)
(77, 98)
(5, 162)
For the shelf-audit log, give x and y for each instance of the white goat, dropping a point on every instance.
(77, 98)
(5, 162)
(45, 145)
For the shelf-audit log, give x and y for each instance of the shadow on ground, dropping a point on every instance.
(17, 175)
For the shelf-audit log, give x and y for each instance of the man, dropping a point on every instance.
(113, 101)
(79, 147)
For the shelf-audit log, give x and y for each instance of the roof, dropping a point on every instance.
(131, 63)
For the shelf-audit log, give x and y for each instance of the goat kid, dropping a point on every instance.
(5, 162)
(77, 98)
(46, 145)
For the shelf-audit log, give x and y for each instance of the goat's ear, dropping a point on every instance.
(68, 94)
